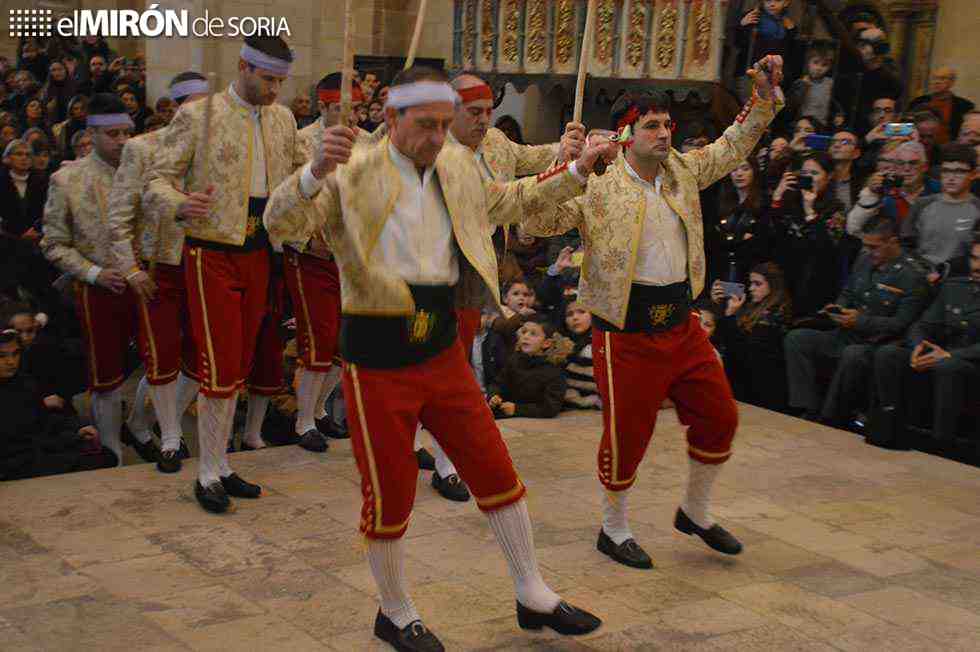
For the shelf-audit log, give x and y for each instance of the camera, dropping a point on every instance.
(805, 182)
(892, 182)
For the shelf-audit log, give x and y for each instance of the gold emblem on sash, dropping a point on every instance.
(252, 226)
(660, 313)
(420, 326)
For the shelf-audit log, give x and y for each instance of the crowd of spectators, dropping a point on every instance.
(843, 256)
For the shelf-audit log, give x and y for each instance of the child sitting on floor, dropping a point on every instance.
(581, 392)
(532, 383)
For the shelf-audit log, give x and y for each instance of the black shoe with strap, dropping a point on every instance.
(326, 426)
(425, 460)
(148, 451)
(313, 440)
(414, 637)
(565, 619)
(715, 536)
(169, 462)
(628, 553)
(451, 487)
(238, 488)
(213, 497)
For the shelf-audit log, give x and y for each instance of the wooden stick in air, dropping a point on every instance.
(347, 72)
(583, 61)
(416, 36)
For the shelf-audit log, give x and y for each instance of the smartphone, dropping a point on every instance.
(834, 310)
(733, 289)
(577, 258)
(817, 142)
(804, 182)
(897, 129)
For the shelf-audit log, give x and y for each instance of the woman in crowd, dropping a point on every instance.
(58, 91)
(751, 334)
(805, 126)
(741, 237)
(809, 240)
(35, 117)
(64, 132)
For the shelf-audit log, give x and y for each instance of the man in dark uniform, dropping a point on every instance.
(943, 347)
(886, 292)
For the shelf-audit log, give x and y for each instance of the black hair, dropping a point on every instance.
(8, 335)
(417, 74)
(644, 99)
(881, 225)
(11, 309)
(542, 321)
(103, 103)
(822, 49)
(274, 46)
(822, 159)
(188, 75)
(818, 125)
(957, 153)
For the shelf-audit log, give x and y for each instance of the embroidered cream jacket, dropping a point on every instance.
(611, 213)
(136, 224)
(76, 232)
(228, 164)
(507, 160)
(356, 201)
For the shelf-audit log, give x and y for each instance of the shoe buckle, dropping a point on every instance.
(417, 629)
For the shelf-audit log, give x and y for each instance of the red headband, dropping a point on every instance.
(480, 92)
(631, 116)
(331, 96)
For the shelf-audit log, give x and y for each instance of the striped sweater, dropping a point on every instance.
(581, 392)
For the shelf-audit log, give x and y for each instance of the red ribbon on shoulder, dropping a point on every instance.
(479, 92)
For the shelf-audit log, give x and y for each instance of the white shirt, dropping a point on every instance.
(20, 182)
(662, 255)
(259, 187)
(417, 240)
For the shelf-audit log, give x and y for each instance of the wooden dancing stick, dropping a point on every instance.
(347, 72)
(583, 61)
(416, 35)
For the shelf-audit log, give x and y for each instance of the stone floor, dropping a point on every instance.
(848, 547)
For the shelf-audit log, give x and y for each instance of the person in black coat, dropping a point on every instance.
(532, 383)
(35, 441)
(23, 192)
(740, 239)
(751, 334)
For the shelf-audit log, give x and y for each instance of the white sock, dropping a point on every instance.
(257, 407)
(107, 414)
(614, 522)
(165, 404)
(140, 417)
(444, 465)
(331, 378)
(387, 560)
(307, 395)
(512, 525)
(187, 389)
(418, 438)
(700, 479)
(214, 418)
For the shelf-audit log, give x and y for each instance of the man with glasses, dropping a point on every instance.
(940, 227)
(845, 149)
(892, 191)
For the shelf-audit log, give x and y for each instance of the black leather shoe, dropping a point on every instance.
(451, 487)
(169, 462)
(425, 460)
(212, 498)
(325, 426)
(628, 553)
(414, 638)
(185, 453)
(148, 452)
(313, 440)
(565, 619)
(716, 536)
(238, 488)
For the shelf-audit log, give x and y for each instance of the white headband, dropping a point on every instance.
(188, 87)
(262, 60)
(109, 120)
(421, 92)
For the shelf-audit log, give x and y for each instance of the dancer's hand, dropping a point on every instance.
(586, 162)
(142, 285)
(572, 142)
(335, 149)
(508, 408)
(196, 206)
(767, 74)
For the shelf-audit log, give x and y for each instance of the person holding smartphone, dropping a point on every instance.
(886, 292)
(809, 241)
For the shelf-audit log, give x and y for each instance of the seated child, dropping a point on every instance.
(532, 383)
(518, 306)
(581, 392)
